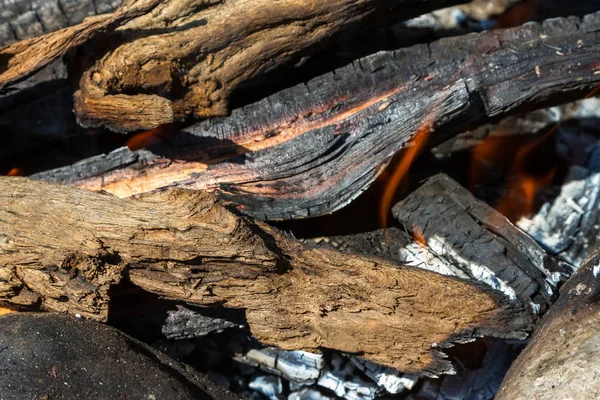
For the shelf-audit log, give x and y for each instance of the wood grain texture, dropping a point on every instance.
(24, 58)
(193, 54)
(313, 148)
(561, 360)
(63, 248)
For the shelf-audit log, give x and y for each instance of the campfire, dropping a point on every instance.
(299, 200)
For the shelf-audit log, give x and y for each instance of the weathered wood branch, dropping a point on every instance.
(188, 57)
(480, 242)
(561, 360)
(64, 247)
(24, 58)
(311, 149)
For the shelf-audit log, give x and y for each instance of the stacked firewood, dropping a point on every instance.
(199, 124)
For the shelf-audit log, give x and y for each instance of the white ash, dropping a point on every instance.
(392, 380)
(355, 388)
(480, 272)
(308, 394)
(268, 385)
(297, 366)
(185, 324)
(415, 255)
(567, 225)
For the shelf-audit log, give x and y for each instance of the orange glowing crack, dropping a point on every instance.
(128, 183)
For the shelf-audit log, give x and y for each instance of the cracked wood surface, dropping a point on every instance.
(480, 242)
(187, 57)
(313, 148)
(24, 58)
(63, 247)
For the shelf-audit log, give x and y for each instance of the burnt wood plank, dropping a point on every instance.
(311, 149)
(63, 248)
(477, 240)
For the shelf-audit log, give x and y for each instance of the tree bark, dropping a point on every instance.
(188, 57)
(561, 360)
(64, 247)
(313, 148)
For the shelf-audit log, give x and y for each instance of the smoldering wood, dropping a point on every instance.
(568, 226)
(311, 149)
(477, 240)
(561, 360)
(62, 248)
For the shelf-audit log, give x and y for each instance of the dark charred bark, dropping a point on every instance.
(480, 242)
(311, 149)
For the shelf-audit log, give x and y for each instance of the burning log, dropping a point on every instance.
(479, 243)
(561, 360)
(63, 248)
(311, 149)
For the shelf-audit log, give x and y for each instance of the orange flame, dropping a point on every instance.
(421, 137)
(419, 237)
(145, 139)
(15, 172)
(518, 200)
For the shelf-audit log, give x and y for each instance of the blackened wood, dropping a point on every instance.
(311, 149)
(63, 248)
(469, 234)
(561, 360)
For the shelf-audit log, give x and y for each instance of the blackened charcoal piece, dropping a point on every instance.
(185, 324)
(53, 356)
(470, 235)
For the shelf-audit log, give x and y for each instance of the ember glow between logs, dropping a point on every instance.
(421, 138)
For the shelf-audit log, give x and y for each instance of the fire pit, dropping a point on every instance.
(352, 199)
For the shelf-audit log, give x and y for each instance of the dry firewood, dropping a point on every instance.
(561, 360)
(311, 149)
(63, 247)
(187, 57)
(479, 242)
(24, 58)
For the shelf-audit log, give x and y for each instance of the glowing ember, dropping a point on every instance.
(16, 172)
(421, 137)
(146, 139)
(4, 310)
(518, 200)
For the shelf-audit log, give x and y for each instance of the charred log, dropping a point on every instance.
(64, 247)
(478, 241)
(295, 153)
(561, 360)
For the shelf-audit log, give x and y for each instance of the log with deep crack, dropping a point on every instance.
(477, 242)
(313, 148)
(561, 360)
(63, 247)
